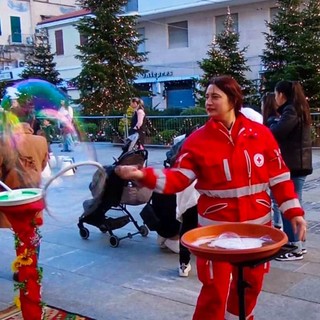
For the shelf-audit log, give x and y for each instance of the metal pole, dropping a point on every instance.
(241, 294)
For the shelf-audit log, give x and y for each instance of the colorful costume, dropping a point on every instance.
(235, 169)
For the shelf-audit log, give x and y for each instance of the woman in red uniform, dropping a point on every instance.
(235, 161)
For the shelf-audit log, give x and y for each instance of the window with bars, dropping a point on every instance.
(220, 20)
(178, 34)
(59, 42)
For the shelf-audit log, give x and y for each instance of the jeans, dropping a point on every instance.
(67, 142)
(276, 213)
(287, 227)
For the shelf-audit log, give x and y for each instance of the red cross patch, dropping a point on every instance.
(258, 160)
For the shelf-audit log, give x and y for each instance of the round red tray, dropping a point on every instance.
(278, 239)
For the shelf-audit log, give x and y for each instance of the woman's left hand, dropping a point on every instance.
(299, 226)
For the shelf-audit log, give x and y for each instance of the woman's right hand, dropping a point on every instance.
(129, 172)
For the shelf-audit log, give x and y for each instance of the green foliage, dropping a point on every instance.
(3, 85)
(293, 46)
(40, 64)
(224, 57)
(110, 58)
(193, 111)
(165, 137)
(89, 127)
(125, 121)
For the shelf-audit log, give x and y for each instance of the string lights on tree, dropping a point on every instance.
(40, 62)
(225, 57)
(110, 57)
(293, 46)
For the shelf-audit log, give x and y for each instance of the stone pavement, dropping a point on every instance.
(138, 280)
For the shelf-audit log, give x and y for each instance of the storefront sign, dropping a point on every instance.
(158, 75)
(7, 75)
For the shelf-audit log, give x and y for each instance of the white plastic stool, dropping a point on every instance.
(65, 163)
(52, 161)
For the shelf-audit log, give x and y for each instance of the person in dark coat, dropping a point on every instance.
(293, 133)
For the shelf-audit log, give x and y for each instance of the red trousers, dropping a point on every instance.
(218, 299)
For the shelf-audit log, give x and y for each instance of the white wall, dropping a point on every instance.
(201, 29)
(180, 61)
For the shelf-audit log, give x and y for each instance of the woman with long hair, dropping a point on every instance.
(269, 108)
(138, 120)
(235, 161)
(270, 115)
(293, 133)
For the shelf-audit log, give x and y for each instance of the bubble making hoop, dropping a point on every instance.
(200, 242)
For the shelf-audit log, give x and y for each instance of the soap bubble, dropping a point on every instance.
(44, 95)
(35, 101)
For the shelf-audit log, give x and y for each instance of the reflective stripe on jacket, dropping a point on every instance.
(235, 169)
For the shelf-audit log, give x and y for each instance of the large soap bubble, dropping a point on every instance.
(41, 101)
(43, 94)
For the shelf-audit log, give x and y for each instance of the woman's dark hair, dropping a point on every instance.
(269, 106)
(294, 94)
(231, 88)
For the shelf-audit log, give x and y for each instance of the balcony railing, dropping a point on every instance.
(21, 39)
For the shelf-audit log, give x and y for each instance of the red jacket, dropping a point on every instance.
(235, 169)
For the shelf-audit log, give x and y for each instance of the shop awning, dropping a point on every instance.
(166, 78)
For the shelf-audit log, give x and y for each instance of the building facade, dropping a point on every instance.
(177, 36)
(18, 20)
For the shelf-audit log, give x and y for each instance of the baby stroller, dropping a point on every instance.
(131, 143)
(115, 193)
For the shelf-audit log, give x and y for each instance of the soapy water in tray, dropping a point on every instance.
(231, 240)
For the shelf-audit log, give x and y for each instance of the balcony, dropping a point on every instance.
(21, 39)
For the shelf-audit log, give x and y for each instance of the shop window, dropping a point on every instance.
(59, 42)
(220, 21)
(178, 34)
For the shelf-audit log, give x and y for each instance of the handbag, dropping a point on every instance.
(149, 217)
(134, 195)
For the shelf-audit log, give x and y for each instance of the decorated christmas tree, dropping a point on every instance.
(293, 46)
(109, 55)
(40, 62)
(225, 58)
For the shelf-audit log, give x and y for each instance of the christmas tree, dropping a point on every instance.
(110, 58)
(225, 58)
(293, 46)
(39, 63)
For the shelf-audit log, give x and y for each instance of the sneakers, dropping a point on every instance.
(304, 251)
(290, 256)
(173, 245)
(184, 270)
(160, 241)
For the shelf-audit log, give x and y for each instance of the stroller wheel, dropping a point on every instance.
(84, 233)
(114, 241)
(144, 230)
